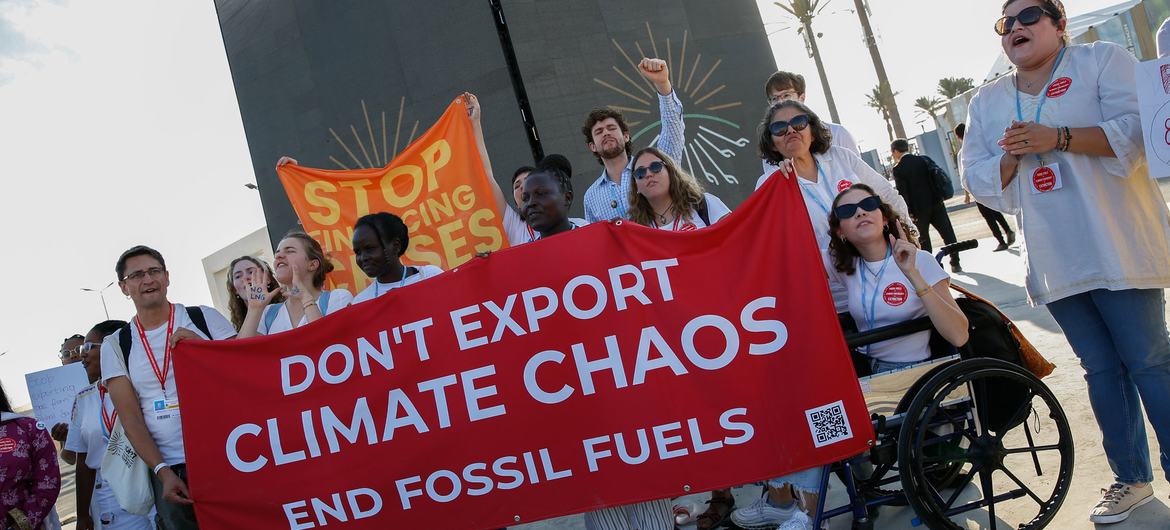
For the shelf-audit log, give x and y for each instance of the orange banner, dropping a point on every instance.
(437, 185)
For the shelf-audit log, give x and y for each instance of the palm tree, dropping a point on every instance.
(953, 87)
(887, 94)
(875, 100)
(929, 105)
(805, 11)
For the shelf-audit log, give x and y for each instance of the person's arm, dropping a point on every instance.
(126, 403)
(85, 478)
(944, 312)
(670, 139)
(475, 113)
(60, 432)
(987, 172)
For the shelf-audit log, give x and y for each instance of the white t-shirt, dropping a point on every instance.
(338, 300)
(519, 232)
(88, 434)
(842, 168)
(716, 210)
(165, 427)
(880, 295)
(377, 288)
(1106, 226)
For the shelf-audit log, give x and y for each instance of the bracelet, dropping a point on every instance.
(922, 292)
(308, 303)
(158, 468)
(1067, 138)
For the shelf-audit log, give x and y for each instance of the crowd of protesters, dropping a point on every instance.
(1067, 163)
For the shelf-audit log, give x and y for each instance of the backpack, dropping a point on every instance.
(701, 211)
(272, 310)
(193, 313)
(940, 182)
(991, 336)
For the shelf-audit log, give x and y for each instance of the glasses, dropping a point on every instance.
(785, 95)
(153, 272)
(1027, 17)
(780, 128)
(89, 346)
(847, 211)
(654, 167)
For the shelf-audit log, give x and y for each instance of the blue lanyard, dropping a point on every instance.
(871, 315)
(378, 285)
(1043, 96)
(812, 192)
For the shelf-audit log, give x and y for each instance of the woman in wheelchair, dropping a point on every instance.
(866, 238)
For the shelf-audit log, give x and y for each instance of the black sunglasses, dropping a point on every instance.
(847, 211)
(654, 167)
(780, 128)
(1026, 16)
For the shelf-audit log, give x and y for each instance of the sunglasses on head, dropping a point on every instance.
(847, 211)
(780, 128)
(1026, 16)
(654, 167)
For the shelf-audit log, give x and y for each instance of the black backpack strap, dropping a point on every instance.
(196, 315)
(701, 210)
(124, 340)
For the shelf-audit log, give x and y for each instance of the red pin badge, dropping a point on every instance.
(843, 185)
(895, 294)
(1044, 179)
(1059, 87)
(7, 445)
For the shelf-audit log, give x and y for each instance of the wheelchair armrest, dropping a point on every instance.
(863, 338)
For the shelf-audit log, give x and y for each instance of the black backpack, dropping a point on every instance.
(991, 336)
(701, 211)
(940, 182)
(125, 339)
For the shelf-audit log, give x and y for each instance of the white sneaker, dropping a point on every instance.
(798, 521)
(761, 516)
(1119, 501)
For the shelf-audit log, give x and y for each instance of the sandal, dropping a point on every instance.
(718, 512)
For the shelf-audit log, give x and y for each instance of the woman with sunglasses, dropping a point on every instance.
(1059, 144)
(668, 198)
(867, 237)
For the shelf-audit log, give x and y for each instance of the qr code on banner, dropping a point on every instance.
(828, 424)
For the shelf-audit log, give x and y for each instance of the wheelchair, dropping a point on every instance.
(957, 433)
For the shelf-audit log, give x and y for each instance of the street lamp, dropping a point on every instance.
(101, 293)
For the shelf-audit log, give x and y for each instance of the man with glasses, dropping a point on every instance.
(137, 370)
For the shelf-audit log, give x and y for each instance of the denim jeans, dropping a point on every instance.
(878, 366)
(1121, 340)
(808, 480)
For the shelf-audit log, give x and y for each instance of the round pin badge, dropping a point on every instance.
(895, 294)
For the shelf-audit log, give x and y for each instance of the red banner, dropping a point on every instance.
(604, 366)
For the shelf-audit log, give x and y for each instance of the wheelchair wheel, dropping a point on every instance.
(1019, 456)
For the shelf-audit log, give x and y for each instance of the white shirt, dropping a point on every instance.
(716, 210)
(841, 138)
(842, 168)
(880, 294)
(1107, 227)
(87, 434)
(519, 232)
(378, 288)
(167, 432)
(338, 300)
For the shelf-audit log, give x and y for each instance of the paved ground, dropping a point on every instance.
(999, 277)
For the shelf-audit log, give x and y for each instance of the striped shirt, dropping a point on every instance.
(605, 200)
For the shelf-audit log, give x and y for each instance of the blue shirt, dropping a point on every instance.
(605, 199)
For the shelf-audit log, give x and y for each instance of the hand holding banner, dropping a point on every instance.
(635, 364)
(436, 185)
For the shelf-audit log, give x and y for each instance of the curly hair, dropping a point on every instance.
(842, 252)
(685, 191)
(602, 114)
(822, 138)
(236, 303)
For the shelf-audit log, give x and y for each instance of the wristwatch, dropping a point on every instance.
(159, 468)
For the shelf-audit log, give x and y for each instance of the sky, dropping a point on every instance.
(119, 126)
